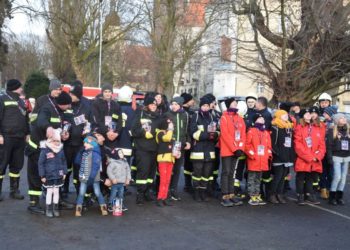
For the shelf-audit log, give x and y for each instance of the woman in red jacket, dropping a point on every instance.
(309, 141)
(258, 151)
(232, 142)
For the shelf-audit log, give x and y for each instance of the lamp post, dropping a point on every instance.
(100, 55)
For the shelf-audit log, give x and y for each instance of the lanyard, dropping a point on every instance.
(109, 106)
(77, 112)
(18, 102)
(53, 105)
(309, 131)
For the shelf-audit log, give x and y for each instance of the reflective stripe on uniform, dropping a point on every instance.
(10, 103)
(33, 192)
(87, 195)
(315, 184)
(197, 156)
(267, 179)
(196, 178)
(205, 179)
(32, 117)
(69, 111)
(196, 135)
(150, 181)
(13, 175)
(212, 155)
(1, 177)
(211, 178)
(126, 151)
(216, 172)
(237, 183)
(54, 119)
(115, 116)
(32, 144)
(75, 181)
(142, 182)
(134, 168)
(187, 172)
(69, 169)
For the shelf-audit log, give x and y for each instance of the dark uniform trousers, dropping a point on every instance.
(146, 162)
(202, 171)
(71, 153)
(34, 181)
(12, 156)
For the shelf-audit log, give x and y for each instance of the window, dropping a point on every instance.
(347, 86)
(260, 88)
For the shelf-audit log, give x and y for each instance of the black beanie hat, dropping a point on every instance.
(228, 102)
(64, 99)
(303, 112)
(315, 109)
(256, 116)
(187, 97)
(179, 100)
(211, 97)
(286, 106)
(77, 90)
(205, 100)
(107, 86)
(13, 84)
(149, 100)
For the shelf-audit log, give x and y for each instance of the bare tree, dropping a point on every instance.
(5, 8)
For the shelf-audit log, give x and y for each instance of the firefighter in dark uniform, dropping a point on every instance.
(204, 131)
(81, 125)
(143, 130)
(51, 115)
(107, 116)
(14, 127)
(188, 168)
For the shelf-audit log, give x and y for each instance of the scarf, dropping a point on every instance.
(260, 126)
(282, 124)
(232, 110)
(53, 147)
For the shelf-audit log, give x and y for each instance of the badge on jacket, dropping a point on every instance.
(50, 155)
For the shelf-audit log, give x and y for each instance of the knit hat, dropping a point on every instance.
(64, 99)
(77, 90)
(286, 106)
(187, 97)
(337, 117)
(149, 100)
(331, 110)
(54, 84)
(228, 101)
(13, 84)
(91, 140)
(107, 86)
(205, 100)
(256, 116)
(304, 111)
(179, 100)
(211, 97)
(315, 109)
(296, 104)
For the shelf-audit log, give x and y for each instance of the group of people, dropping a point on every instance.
(105, 145)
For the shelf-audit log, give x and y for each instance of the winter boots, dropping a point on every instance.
(14, 191)
(48, 212)
(332, 198)
(226, 202)
(311, 199)
(78, 210)
(34, 206)
(273, 199)
(104, 210)
(1, 197)
(339, 198)
(301, 200)
(196, 195)
(324, 193)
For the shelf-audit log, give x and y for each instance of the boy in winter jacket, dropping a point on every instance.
(258, 151)
(119, 173)
(89, 174)
(52, 170)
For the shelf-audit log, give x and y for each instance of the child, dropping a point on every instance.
(52, 170)
(309, 141)
(89, 174)
(119, 173)
(258, 151)
(338, 153)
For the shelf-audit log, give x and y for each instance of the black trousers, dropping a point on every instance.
(188, 169)
(216, 165)
(304, 181)
(146, 162)
(12, 156)
(202, 170)
(71, 152)
(279, 174)
(176, 173)
(34, 181)
(228, 167)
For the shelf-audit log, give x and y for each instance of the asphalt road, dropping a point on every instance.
(186, 225)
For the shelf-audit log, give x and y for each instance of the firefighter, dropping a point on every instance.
(144, 133)
(14, 127)
(51, 115)
(204, 131)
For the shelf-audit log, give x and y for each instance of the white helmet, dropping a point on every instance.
(242, 108)
(251, 95)
(325, 96)
(125, 94)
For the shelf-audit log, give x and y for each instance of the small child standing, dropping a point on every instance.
(89, 174)
(118, 171)
(52, 170)
(258, 151)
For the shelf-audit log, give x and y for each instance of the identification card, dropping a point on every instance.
(176, 149)
(212, 127)
(344, 145)
(78, 120)
(237, 135)
(261, 150)
(288, 142)
(308, 142)
(108, 121)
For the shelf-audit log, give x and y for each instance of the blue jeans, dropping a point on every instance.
(117, 189)
(97, 191)
(340, 171)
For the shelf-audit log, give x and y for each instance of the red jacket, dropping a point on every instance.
(232, 134)
(305, 153)
(258, 161)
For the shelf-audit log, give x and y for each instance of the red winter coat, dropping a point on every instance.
(257, 162)
(229, 124)
(305, 154)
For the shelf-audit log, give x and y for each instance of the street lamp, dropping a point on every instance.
(100, 56)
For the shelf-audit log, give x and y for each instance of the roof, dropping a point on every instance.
(195, 13)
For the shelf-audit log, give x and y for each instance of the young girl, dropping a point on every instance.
(283, 154)
(310, 148)
(52, 170)
(258, 151)
(89, 174)
(119, 173)
(338, 153)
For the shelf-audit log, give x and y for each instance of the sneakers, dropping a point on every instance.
(78, 211)
(300, 200)
(174, 196)
(226, 202)
(281, 199)
(236, 201)
(253, 200)
(261, 201)
(273, 199)
(311, 199)
(104, 211)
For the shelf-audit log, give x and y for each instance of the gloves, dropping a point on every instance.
(238, 153)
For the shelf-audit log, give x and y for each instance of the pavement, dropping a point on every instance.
(186, 225)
